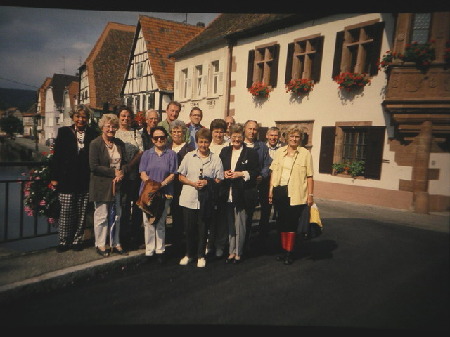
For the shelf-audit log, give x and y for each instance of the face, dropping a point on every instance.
(172, 112)
(294, 139)
(152, 119)
(217, 136)
(251, 130)
(230, 121)
(177, 135)
(203, 145)
(80, 119)
(272, 138)
(236, 140)
(159, 139)
(109, 129)
(125, 118)
(196, 117)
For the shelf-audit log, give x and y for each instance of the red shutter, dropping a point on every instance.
(327, 149)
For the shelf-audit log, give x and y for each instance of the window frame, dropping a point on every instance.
(263, 64)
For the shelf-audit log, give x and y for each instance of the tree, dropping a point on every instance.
(11, 125)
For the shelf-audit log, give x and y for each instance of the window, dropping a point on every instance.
(304, 59)
(151, 100)
(421, 27)
(198, 81)
(136, 103)
(352, 143)
(215, 77)
(358, 49)
(184, 83)
(263, 65)
(139, 69)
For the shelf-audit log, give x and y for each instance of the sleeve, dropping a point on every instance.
(143, 162)
(55, 162)
(183, 166)
(95, 163)
(267, 160)
(173, 163)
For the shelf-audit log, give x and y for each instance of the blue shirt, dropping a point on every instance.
(159, 167)
(191, 167)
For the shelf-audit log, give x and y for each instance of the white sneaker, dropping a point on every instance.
(201, 262)
(184, 261)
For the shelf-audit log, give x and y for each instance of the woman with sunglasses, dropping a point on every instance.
(159, 164)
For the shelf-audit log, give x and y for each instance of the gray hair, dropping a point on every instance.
(108, 118)
(177, 124)
(152, 110)
(79, 108)
(237, 128)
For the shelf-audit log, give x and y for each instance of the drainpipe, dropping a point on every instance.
(420, 169)
(228, 78)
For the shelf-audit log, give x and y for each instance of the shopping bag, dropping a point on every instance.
(315, 228)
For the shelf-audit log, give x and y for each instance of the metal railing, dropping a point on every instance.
(15, 224)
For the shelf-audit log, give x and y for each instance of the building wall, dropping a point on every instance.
(327, 106)
(213, 105)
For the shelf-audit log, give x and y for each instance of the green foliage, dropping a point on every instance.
(11, 125)
(355, 168)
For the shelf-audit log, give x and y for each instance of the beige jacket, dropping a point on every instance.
(303, 168)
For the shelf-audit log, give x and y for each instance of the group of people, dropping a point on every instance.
(210, 179)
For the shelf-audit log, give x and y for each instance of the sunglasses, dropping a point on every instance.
(156, 138)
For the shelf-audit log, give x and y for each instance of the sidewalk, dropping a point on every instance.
(45, 270)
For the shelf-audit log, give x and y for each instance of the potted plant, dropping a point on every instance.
(351, 81)
(422, 54)
(40, 196)
(299, 86)
(260, 90)
(354, 168)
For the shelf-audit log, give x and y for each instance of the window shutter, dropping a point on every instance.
(290, 55)
(190, 75)
(220, 81)
(376, 49)
(274, 66)
(204, 91)
(251, 63)
(327, 149)
(317, 64)
(374, 155)
(338, 54)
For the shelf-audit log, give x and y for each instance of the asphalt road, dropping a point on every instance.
(371, 270)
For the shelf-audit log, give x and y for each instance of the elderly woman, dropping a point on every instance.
(241, 167)
(199, 171)
(292, 167)
(108, 167)
(131, 220)
(178, 144)
(160, 165)
(70, 176)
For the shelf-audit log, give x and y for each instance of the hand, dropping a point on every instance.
(54, 182)
(199, 184)
(270, 197)
(258, 179)
(310, 200)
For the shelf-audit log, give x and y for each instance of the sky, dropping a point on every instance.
(36, 43)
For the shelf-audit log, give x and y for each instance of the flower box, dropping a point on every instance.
(260, 90)
(354, 169)
(300, 86)
(352, 81)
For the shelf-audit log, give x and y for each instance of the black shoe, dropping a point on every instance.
(62, 248)
(288, 259)
(160, 258)
(281, 257)
(235, 261)
(229, 260)
(103, 253)
(78, 247)
(120, 251)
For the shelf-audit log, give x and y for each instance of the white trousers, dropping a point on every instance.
(102, 231)
(155, 234)
(236, 226)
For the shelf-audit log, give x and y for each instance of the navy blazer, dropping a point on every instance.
(244, 193)
(70, 167)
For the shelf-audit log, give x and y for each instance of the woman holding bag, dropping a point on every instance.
(292, 172)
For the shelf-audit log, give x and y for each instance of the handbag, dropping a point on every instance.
(315, 227)
(151, 198)
(280, 192)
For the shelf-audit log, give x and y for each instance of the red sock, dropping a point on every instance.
(283, 240)
(290, 241)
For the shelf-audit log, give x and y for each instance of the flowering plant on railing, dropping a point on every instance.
(422, 54)
(259, 89)
(387, 59)
(40, 196)
(300, 86)
(351, 81)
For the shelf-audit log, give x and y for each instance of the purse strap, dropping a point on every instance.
(292, 167)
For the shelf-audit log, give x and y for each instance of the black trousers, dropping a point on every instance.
(196, 230)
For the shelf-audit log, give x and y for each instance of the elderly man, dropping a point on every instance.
(195, 116)
(151, 120)
(173, 111)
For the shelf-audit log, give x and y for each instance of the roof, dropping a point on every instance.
(230, 26)
(107, 64)
(162, 38)
(58, 84)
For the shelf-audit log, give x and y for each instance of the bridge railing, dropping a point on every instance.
(15, 224)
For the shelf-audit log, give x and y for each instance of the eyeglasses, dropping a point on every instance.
(237, 137)
(156, 138)
(110, 127)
